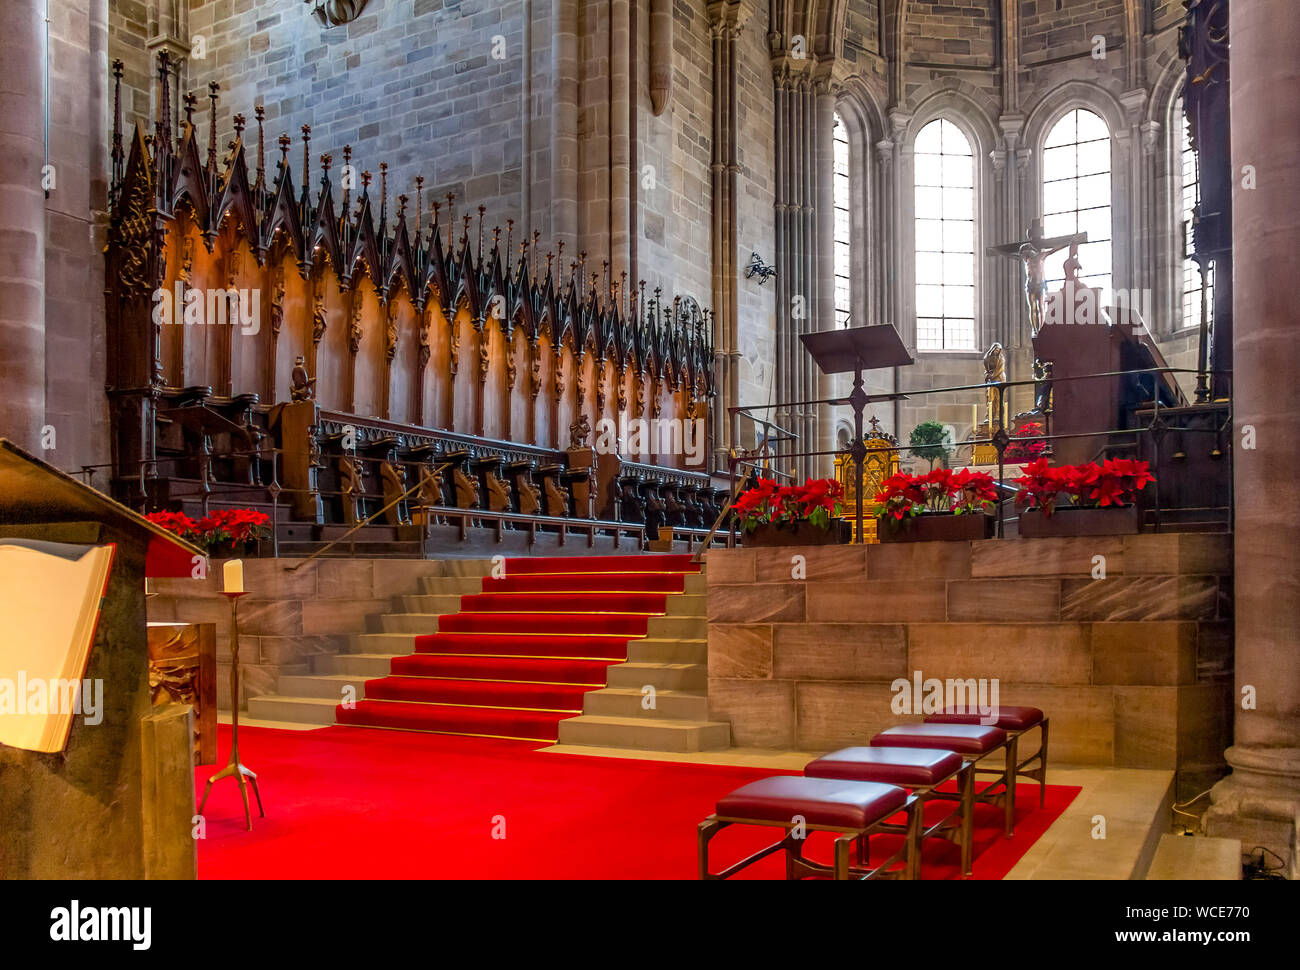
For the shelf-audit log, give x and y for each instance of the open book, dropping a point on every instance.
(50, 595)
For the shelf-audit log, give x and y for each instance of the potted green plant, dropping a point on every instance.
(793, 515)
(929, 440)
(1100, 499)
(941, 505)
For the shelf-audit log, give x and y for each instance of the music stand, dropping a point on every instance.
(853, 351)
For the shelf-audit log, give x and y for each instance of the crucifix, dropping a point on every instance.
(1033, 252)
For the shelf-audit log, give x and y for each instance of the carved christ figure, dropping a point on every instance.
(1033, 253)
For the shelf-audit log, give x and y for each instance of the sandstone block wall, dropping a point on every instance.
(1135, 670)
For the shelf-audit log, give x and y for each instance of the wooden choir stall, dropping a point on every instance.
(325, 354)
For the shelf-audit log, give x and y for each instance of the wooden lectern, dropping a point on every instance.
(1090, 406)
(851, 352)
(118, 801)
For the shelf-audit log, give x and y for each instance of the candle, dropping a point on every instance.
(233, 575)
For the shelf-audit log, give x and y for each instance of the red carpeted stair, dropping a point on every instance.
(518, 657)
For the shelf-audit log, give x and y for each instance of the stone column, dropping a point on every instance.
(22, 223)
(1259, 801)
(726, 20)
(564, 134)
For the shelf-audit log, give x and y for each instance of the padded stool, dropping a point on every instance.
(920, 769)
(853, 809)
(1015, 721)
(975, 743)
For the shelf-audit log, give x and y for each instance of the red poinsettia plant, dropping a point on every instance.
(941, 490)
(1026, 443)
(1114, 482)
(814, 502)
(234, 526)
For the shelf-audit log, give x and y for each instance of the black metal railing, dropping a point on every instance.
(742, 464)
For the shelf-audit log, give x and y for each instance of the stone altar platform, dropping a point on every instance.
(1134, 669)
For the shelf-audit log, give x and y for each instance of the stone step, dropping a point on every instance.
(645, 733)
(676, 705)
(303, 710)
(1196, 857)
(365, 665)
(678, 627)
(431, 603)
(659, 675)
(688, 604)
(390, 642)
(451, 585)
(660, 650)
(322, 685)
(414, 623)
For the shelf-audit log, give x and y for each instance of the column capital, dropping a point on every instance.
(727, 16)
(1150, 136)
(898, 122)
(1134, 103)
(885, 152)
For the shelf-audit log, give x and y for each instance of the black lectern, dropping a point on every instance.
(853, 351)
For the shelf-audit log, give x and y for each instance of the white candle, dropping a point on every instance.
(233, 575)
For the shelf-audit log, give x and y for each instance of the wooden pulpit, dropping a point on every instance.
(117, 802)
(1090, 406)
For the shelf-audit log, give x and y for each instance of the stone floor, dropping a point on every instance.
(1134, 803)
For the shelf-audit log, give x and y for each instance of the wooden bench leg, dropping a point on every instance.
(967, 818)
(704, 833)
(1009, 787)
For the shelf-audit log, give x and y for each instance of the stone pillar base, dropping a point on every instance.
(1259, 802)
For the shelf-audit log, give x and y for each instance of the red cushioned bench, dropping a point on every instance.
(922, 771)
(975, 743)
(1016, 721)
(852, 809)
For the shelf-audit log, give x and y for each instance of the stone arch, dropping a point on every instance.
(958, 102)
(1066, 97)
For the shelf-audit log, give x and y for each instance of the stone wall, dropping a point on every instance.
(1135, 670)
(288, 617)
(1050, 30)
(961, 33)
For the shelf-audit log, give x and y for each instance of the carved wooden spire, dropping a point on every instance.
(260, 184)
(213, 89)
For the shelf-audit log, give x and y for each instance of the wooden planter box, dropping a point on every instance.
(936, 527)
(800, 534)
(1121, 521)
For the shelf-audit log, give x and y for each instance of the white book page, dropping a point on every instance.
(48, 608)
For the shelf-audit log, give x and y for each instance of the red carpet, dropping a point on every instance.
(344, 803)
(518, 657)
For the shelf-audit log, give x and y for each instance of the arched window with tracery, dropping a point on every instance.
(945, 238)
(1077, 197)
(1190, 196)
(843, 225)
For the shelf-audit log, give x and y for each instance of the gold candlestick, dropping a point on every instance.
(233, 768)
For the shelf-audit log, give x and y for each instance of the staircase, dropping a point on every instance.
(518, 656)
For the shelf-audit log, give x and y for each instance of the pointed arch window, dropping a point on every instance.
(945, 238)
(1191, 196)
(843, 223)
(1077, 196)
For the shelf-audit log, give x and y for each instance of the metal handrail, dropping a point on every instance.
(999, 440)
(366, 521)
